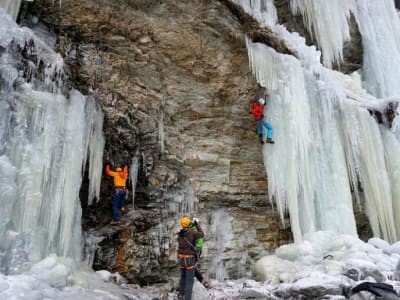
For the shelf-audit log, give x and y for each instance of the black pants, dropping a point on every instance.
(198, 275)
(187, 266)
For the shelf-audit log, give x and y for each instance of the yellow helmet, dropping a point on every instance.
(185, 222)
(118, 169)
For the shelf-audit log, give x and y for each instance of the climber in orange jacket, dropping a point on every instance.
(119, 191)
(257, 109)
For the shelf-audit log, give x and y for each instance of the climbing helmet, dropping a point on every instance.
(185, 222)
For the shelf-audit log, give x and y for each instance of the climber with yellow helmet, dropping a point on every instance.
(119, 191)
(187, 256)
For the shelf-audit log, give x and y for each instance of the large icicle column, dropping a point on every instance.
(379, 26)
(306, 167)
(327, 22)
(327, 142)
(11, 7)
(45, 138)
(370, 154)
(378, 22)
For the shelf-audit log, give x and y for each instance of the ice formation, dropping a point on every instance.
(46, 134)
(11, 7)
(328, 144)
(328, 24)
(134, 170)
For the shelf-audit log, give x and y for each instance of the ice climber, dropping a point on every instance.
(257, 109)
(119, 192)
(187, 257)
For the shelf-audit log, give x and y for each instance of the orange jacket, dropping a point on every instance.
(119, 177)
(258, 111)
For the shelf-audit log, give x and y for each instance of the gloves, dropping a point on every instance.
(195, 220)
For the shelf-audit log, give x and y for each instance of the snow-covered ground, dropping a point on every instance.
(323, 265)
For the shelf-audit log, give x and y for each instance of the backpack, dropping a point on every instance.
(198, 243)
(196, 250)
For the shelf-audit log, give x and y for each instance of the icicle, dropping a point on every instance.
(95, 145)
(312, 177)
(263, 10)
(328, 139)
(327, 21)
(161, 137)
(378, 21)
(45, 137)
(11, 7)
(134, 170)
(218, 241)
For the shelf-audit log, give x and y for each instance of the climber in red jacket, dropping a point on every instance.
(257, 109)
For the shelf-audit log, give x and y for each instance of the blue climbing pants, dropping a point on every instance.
(118, 201)
(261, 124)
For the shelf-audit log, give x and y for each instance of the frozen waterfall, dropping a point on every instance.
(327, 142)
(47, 132)
(11, 7)
(330, 30)
(379, 26)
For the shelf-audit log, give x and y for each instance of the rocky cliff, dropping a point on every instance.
(173, 80)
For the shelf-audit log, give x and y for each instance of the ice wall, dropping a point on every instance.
(263, 10)
(327, 22)
(46, 133)
(378, 23)
(306, 167)
(220, 237)
(11, 7)
(327, 143)
(379, 26)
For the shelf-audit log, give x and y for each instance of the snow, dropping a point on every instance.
(321, 260)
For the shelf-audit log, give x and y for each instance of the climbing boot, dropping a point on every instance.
(270, 141)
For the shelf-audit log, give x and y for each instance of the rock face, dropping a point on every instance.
(173, 80)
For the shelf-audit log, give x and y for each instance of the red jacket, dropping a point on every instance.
(258, 111)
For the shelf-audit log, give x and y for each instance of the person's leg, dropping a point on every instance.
(182, 283)
(198, 275)
(189, 280)
(115, 206)
(269, 130)
(122, 202)
(260, 128)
